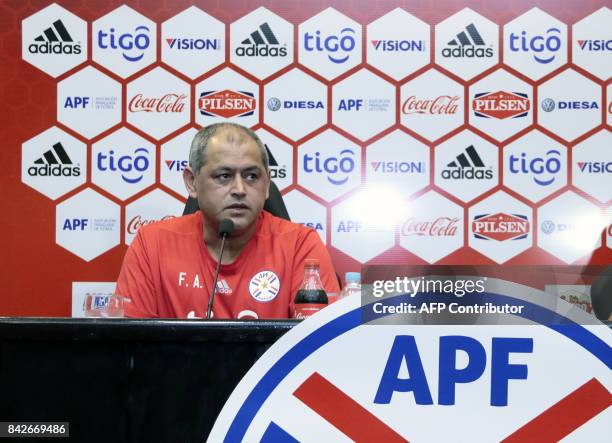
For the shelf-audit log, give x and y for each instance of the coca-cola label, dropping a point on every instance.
(227, 104)
(440, 105)
(305, 310)
(174, 103)
(500, 226)
(137, 222)
(501, 105)
(439, 227)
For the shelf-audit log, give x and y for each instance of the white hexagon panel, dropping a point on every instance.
(329, 43)
(293, 110)
(53, 163)
(501, 105)
(307, 212)
(432, 105)
(570, 227)
(398, 44)
(158, 103)
(363, 112)
(86, 108)
(466, 166)
(467, 44)
(569, 104)
(399, 162)
(609, 104)
(227, 96)
(123, 163)
(174, 158)
(261, 43)
(361, 226)
(150, 208)
(592, 166)
(193, 42)
(124, 41)
(54, 40)
(329, 165)
(500, 227)
(592, 45)
(280, 158)
(535, 44)
(433, 227)
(535, 166)
(87, 224)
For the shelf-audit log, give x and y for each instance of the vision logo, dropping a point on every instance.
(549, 166)
(468, 43)
(500, 226)
(595, 45)
(54, 163)
(595, 167)
(130, 166)
(227, 104)
(336, 169)
(131, 45)
(176, 165)
(399, 45)
(337, 47)
(194, 44)
(276, 171)
(501, 105)
(55, 40)
(396, 167)
(261, 43)
(469, 167)
(544, 47)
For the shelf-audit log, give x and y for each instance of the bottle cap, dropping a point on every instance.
(311, 263)
(352, 277)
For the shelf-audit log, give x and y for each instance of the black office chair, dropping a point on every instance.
(274, 204)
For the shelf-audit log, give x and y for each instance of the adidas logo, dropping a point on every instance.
(261, 43)
(275, 170)
(54, 163)
(55, 40)
(468, 43)
(469, 167)
(223, 288)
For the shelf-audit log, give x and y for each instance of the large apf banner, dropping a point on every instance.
(435, 132)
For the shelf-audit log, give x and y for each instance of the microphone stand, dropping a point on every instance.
(225, 230)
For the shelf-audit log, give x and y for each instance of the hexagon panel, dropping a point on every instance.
(466, 166)
(87, 224)
(363, 112)
(432, 105)
(53, 163)
(329, 43)
(433, 227)
(500, 105)
(124, 41)
(280, 158)
(570, 227)
(500, 227)
(85, 109)
(150, 208)
(54, 40)
(193, 42)
(261, 43)
(398, 44)
(467, 44)
(592, 166)
(174, 158)
(398, 161)
(609, 104)
(535, 166)
(535, 44)
(329, 165)
(307, 212)
(359, 233)
(227, 96)
(123, 163)
(591, 43)
(158, 103)
(295, 111)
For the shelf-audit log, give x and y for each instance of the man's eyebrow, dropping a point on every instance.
(229, 169)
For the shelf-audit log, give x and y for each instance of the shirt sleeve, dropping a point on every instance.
(135, 281)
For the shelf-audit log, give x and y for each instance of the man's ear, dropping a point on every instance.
(189, 179)
(268, 184)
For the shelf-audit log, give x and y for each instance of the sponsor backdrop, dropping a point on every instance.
(455, 132)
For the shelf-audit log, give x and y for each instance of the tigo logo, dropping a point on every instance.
(261, 43)
(54, 163)
(537, 166)
(399, 45)
(544, 47)
(501, 105)
(138, 163)
(343, 43)
(227, 104)
(194, 44)
(55, 40)
(336, 168)
(500, 227)
(132, 45)
(470, 167)
(468, 43)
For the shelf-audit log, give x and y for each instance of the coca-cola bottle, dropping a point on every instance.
(311, 296)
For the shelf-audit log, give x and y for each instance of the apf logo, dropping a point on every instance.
(549, 165)
(544, 47)
(55, 40)
(338, 47)
(337, 169)
(500, 226)
(132, 45)
(131, 166)
(227, 104)
(501, 105)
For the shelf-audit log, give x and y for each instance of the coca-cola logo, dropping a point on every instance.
(439, 227)
(164, 104)
(441, 105)
(138, 222)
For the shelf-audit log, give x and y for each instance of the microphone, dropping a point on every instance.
(226, 227)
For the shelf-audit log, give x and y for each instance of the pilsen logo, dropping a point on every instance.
(440, 227)
(500, 226)
(226, 103)
(501, 105)
(165, 103)
(138, 222)
(441, 105)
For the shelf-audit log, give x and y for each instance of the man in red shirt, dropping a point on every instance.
(168, 271)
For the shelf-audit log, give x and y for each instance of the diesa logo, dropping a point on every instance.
(131, 44)
(130, 166)
(544, 47)
(336, 169)
(338, 47)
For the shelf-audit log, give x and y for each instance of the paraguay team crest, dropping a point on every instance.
(264, 286)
